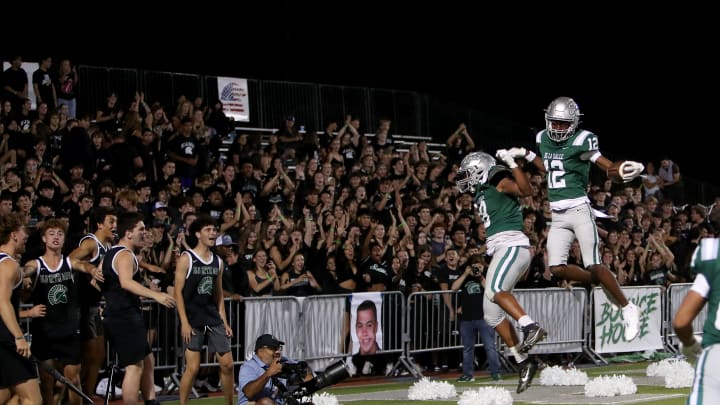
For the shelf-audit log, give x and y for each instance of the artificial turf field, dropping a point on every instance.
(651, 390)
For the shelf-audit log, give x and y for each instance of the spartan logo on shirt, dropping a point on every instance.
(58, 295)
(205, 286)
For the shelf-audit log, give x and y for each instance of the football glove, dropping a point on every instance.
(693, 351)
(629, 170)
(517, 152)
(506, 157)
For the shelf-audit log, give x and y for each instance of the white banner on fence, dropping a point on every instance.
(366, 323)
(233, 94)
(609, 329)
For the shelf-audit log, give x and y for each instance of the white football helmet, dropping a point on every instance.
(564, 110)
(473, 171)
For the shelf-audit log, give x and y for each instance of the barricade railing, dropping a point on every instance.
(561, 312)
(318, 328)
(279, 316)
(429, 325)
(325, 329)
(674, 296)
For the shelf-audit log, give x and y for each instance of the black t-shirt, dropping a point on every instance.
(471, 299)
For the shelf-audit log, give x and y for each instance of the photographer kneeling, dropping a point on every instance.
(263, 378)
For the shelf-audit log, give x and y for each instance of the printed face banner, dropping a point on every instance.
(233, 94)
(609, 328)
(365, 323)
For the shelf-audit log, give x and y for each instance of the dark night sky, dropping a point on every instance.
(642, 83)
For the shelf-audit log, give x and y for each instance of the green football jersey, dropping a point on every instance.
(568, 171)
(706, 261)
(499, 211)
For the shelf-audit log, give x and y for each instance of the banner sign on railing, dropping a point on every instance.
(233, 94)
(609, 328)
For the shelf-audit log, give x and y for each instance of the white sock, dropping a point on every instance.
(519, 357)
(525, 321)
(626, 307)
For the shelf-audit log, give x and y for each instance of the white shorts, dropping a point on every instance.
(570, 224)
(706, 385)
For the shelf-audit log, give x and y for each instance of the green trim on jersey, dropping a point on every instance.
(706, 261)
(500, 212)
(568, 175)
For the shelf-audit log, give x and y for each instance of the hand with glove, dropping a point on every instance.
(506, 157)
(692, 351)
(624, 171)
(522, 153)
(629, 170)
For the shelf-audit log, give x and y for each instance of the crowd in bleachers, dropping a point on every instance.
(367, 215)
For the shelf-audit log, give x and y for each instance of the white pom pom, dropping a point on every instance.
(426, 389)
(606, 386)
(557, 375)
(324, 399)
(677, 373)
(486, 396)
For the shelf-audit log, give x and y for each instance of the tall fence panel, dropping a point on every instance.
(558, 311)
(279, 316)
(429, 325)
(332, 106)
(675, 295)
(356, 101)
(159, 88)
(325, 327)
(281, 99)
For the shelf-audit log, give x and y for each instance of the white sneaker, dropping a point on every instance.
(388, 369)
(350, 367)
(102, 388)
(631, 320)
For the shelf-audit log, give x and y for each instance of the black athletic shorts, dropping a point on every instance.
(128, 338)
(67, 350)
(14, 368)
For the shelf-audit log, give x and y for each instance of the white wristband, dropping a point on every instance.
(530, 156)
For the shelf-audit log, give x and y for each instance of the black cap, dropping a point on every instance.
(267, 340)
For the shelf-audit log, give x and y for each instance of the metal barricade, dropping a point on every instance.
(429, 327)
(280, 316)
(326, 323)
(674, 297)
(560, 312)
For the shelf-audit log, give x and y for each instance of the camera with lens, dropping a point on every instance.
(477, 269)
(301, 392)
(294, 372)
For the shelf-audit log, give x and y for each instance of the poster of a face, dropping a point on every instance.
(366, 321)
